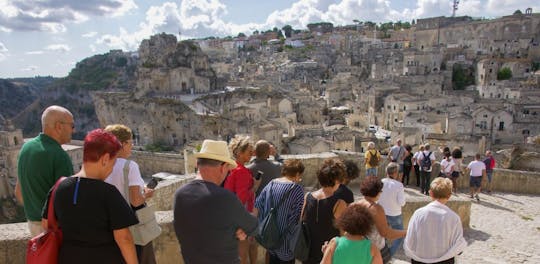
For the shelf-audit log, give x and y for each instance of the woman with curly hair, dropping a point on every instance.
(241, 182)
(353, 247)
(371, 188)
(322, 207)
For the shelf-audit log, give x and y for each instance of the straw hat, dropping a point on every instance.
(215, 150)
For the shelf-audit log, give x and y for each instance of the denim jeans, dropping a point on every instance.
(371, 172)
(396, 222)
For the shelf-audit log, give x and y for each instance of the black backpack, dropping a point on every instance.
(426, 162)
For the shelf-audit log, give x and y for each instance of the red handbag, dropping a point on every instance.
(44, 248)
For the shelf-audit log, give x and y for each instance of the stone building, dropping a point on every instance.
(11, 141)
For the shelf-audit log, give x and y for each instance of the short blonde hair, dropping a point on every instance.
(239, 144)
(441, 188)
(122, 132)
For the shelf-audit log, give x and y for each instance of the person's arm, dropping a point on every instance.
(329, 252)
(382, 226)
(376, 254)
(124, 240)
(18, 193)
(339, 208)
(484, 175)
(135, 196)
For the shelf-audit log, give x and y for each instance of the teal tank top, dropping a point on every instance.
(352, 251)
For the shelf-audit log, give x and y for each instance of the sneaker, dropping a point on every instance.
(477, 197)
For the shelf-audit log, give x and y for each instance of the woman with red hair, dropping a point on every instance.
(93, 215)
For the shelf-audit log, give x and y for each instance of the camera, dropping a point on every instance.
(258, 175)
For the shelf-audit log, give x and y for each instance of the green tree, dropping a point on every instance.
(461, 77)
(241, 35)
(518, 12)
(288, 30)
(504, 74)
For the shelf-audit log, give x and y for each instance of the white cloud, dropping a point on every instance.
(35, 52)
(30, 68)
(89, 34)
(58, 47)
(52, 15)
(3, 51)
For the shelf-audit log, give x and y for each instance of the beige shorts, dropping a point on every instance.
(35, 228)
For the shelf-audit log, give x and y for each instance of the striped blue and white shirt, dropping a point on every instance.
(288, 213)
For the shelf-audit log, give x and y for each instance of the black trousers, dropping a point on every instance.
(448, 261)
(417, 174)
(406, 174)
(425, 181)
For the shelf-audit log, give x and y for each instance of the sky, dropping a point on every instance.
(48, 37)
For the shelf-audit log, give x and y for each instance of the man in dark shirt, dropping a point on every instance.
(269, 169)
(209, 220)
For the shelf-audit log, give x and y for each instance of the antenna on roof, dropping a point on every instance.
(455, 7)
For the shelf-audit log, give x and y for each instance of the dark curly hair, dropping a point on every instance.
(331, 171)
(352, 170)
(457, 153)
(355, 220)
(371, 186)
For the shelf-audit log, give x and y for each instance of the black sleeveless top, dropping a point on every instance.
(319, 217)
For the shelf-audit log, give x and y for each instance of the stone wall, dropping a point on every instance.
(13, 237)
(151, 163)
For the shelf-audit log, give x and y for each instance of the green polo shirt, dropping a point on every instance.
(41, 162)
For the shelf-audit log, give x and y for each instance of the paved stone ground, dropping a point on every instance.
(505, 228)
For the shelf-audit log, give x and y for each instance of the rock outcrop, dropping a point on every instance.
(170, 68)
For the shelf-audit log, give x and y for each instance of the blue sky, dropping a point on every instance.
(48, 37)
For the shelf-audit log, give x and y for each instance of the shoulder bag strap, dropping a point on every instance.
(126, 180)
(51, 217)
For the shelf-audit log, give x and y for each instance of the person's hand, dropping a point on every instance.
(240, 234)
(148, 193)
(329, 245)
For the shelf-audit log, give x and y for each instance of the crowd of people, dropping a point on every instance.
(219, 215)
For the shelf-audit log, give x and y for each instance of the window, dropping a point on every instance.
(483, 124)
(501, 126)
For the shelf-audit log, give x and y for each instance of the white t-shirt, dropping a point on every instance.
(429, 154)
(116, 177)
(447, 165)
(476, 168)
(392, 197)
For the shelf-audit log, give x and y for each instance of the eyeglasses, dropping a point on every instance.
(68, 123)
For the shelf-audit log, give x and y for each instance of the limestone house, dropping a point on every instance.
(496, 125)
(270, 131)
(11, 140)
(487, 69)
(527, 118)
(421, 62)
(357, 121)
(459, 123)
(310, 112)
(309, 145)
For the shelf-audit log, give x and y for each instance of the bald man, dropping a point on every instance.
(42, 161)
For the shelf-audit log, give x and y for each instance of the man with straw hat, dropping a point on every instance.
(209, 219)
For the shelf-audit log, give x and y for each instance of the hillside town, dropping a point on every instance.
(453, 81)
(449, 81)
